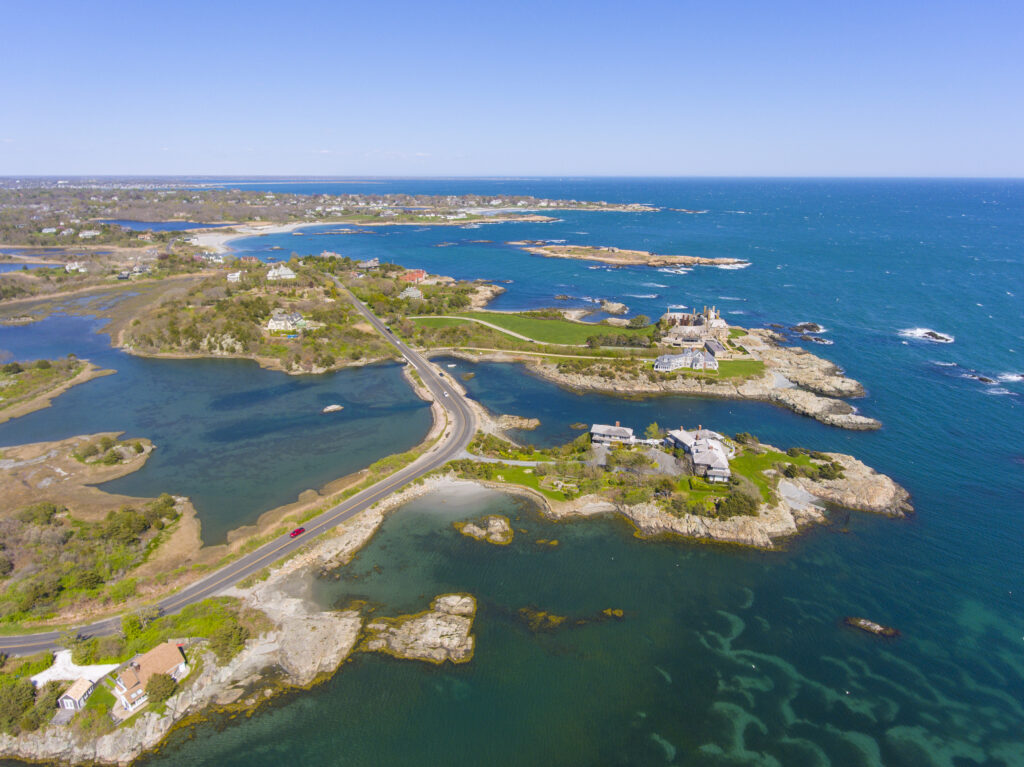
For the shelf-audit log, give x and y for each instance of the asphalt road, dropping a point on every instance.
(460, 430)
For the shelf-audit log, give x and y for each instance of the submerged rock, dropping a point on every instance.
(440, 634)
(494, 528)
(871, 627)
(540, 620)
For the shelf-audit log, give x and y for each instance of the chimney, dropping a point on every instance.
(616, 423)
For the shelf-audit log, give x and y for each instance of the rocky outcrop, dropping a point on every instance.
(613, 307)
(494, 529)
(861, 488)
(305, 645)
(440, 634)
(796, 506)
(504, 422)
(483, 294)
(871, 627)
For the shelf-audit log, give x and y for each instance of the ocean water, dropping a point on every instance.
(725, 656)
(237, 439)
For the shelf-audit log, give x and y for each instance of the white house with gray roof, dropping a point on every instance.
(708, 450)
(602, 434)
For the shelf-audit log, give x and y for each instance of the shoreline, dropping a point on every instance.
(44, 399)
(828, 410)
(621, 256)
(185, 544)
(310, 644)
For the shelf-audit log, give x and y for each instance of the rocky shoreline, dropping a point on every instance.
(793, 379)
(620, 256)
(307, 645)
(796, 508)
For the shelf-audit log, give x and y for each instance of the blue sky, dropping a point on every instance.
(527, 88)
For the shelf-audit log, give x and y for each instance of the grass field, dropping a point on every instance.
(551, 331)
(752, 466)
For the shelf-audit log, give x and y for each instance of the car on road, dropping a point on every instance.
(296, 532)
(446, 394)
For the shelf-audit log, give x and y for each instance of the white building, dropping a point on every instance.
(602, 434)
(411, 292)
(282, 320)
(235, 276)
(75, 266)
(87, 234)
(49, 230)
(693, 359)
(75, 696)
(280, 272)
(708, 450)
(130, 685)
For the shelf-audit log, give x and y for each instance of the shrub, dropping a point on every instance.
(227, 640)
(737, 504)
(160, 687)
(39, 514)
(43, 365)
(15, 699)
(12, 368)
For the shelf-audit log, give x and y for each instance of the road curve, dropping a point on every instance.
(460, 430)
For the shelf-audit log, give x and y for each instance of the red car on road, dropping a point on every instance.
(296, 532)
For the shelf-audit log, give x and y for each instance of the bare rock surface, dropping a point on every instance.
(494, 529)
(440, 634)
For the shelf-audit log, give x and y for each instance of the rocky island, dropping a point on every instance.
(621, 256)
(492, 529)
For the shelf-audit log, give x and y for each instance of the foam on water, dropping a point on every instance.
(927, 334)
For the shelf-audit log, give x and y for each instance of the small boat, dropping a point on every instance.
(332, 409)
(452, 365)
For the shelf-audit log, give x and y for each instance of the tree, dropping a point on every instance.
(226, 640)
(160, 687)
(639, 321)
(653, 431)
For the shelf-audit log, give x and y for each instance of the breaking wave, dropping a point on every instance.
(927, 334)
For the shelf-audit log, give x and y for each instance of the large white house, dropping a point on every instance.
(280, 272)
(708, 450)
(602, 434)
(694, 359)
(282, 320)
(130, 684)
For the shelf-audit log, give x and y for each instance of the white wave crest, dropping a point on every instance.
(927, 334)
(733, 267)
(642, 295)
(1011, 377)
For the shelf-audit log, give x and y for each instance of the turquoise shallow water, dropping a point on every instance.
(726, 656)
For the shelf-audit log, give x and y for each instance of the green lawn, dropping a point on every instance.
(752, 465)
(740, 368)
(728, 369)
(438, 322)
(737, 332)
(516, 475)
(551, 331)
(101, 698)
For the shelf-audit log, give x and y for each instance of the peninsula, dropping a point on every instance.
(621, 256)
